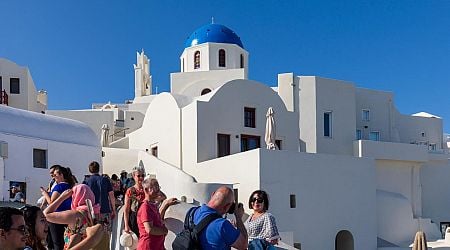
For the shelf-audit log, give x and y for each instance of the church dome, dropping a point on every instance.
(213, 33)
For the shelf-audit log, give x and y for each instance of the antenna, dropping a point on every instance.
(156, 89)
(212, 20)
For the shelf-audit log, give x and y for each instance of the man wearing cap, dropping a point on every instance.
(18, 195)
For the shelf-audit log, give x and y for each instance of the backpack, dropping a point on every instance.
(188, 239)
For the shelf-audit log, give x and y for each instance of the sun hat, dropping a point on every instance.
(129, 240)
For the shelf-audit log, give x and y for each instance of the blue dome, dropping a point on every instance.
(213, 33)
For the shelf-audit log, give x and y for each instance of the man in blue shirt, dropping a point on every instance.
(220, 233)
(104, 194)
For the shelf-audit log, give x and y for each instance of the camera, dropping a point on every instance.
(232, 208)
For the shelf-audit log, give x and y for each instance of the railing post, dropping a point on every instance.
(3, 97)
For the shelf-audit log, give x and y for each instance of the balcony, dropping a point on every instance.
(3, 97)
(390, 151)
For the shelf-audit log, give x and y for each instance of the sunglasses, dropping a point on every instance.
(258, 200)
(140, 175)
(21, 229)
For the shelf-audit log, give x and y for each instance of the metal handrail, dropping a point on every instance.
(120, 131)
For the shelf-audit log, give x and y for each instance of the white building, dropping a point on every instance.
(17, 88)
(31, 142)
(352, 172)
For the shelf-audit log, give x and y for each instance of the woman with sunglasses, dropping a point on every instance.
(134, 197)
(261, 226)
(37, 228)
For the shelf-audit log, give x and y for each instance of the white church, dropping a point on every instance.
(348, 170)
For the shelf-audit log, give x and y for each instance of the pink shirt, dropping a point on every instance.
(148, 212)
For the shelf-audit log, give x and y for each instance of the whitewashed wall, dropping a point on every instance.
(209, 57)
(93, 118)
(435, 190)
(27, 98)
(382, 114)
(161, 128)
(214, 113)
(117, 159)
(412, 128)
(192, 83)
(333, 192)
(19, 164)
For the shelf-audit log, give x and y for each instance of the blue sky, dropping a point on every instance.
(83, 51)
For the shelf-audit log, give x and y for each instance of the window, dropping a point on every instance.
(432, 147)
(39, 158)
(365, 115)
(242, 61)
(292, 201)
(1, 84)
(221, 58)
(358, 134)
(14, 86)
(197, 60)
(249, 117)
(155, 151)
(223, 145)
(327, 125)
(205, 91)
(249, 142)
(278, 143)
(374, 136)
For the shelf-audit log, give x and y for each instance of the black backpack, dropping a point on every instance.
(188, 239)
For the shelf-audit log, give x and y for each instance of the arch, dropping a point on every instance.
(205, 91)
(242, 61)
(344, 241)
(222, 58)
(197, 59)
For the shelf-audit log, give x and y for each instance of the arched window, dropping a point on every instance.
(197, 59)
(344, 241)
(205, 91)
(242, 61)
(221, 58)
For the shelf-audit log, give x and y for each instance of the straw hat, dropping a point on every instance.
(129, 240)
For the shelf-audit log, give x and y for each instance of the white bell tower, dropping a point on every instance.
(142, 77)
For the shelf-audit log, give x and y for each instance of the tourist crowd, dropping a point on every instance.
(74, 215)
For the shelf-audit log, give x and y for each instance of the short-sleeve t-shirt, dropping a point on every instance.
(18, 197)
(219, 234)
(101, 187)
(136, 195)
(148, 212)
(66, 204)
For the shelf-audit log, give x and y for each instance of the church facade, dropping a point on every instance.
(349, 169)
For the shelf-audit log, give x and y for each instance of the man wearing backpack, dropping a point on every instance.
(220, 233)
